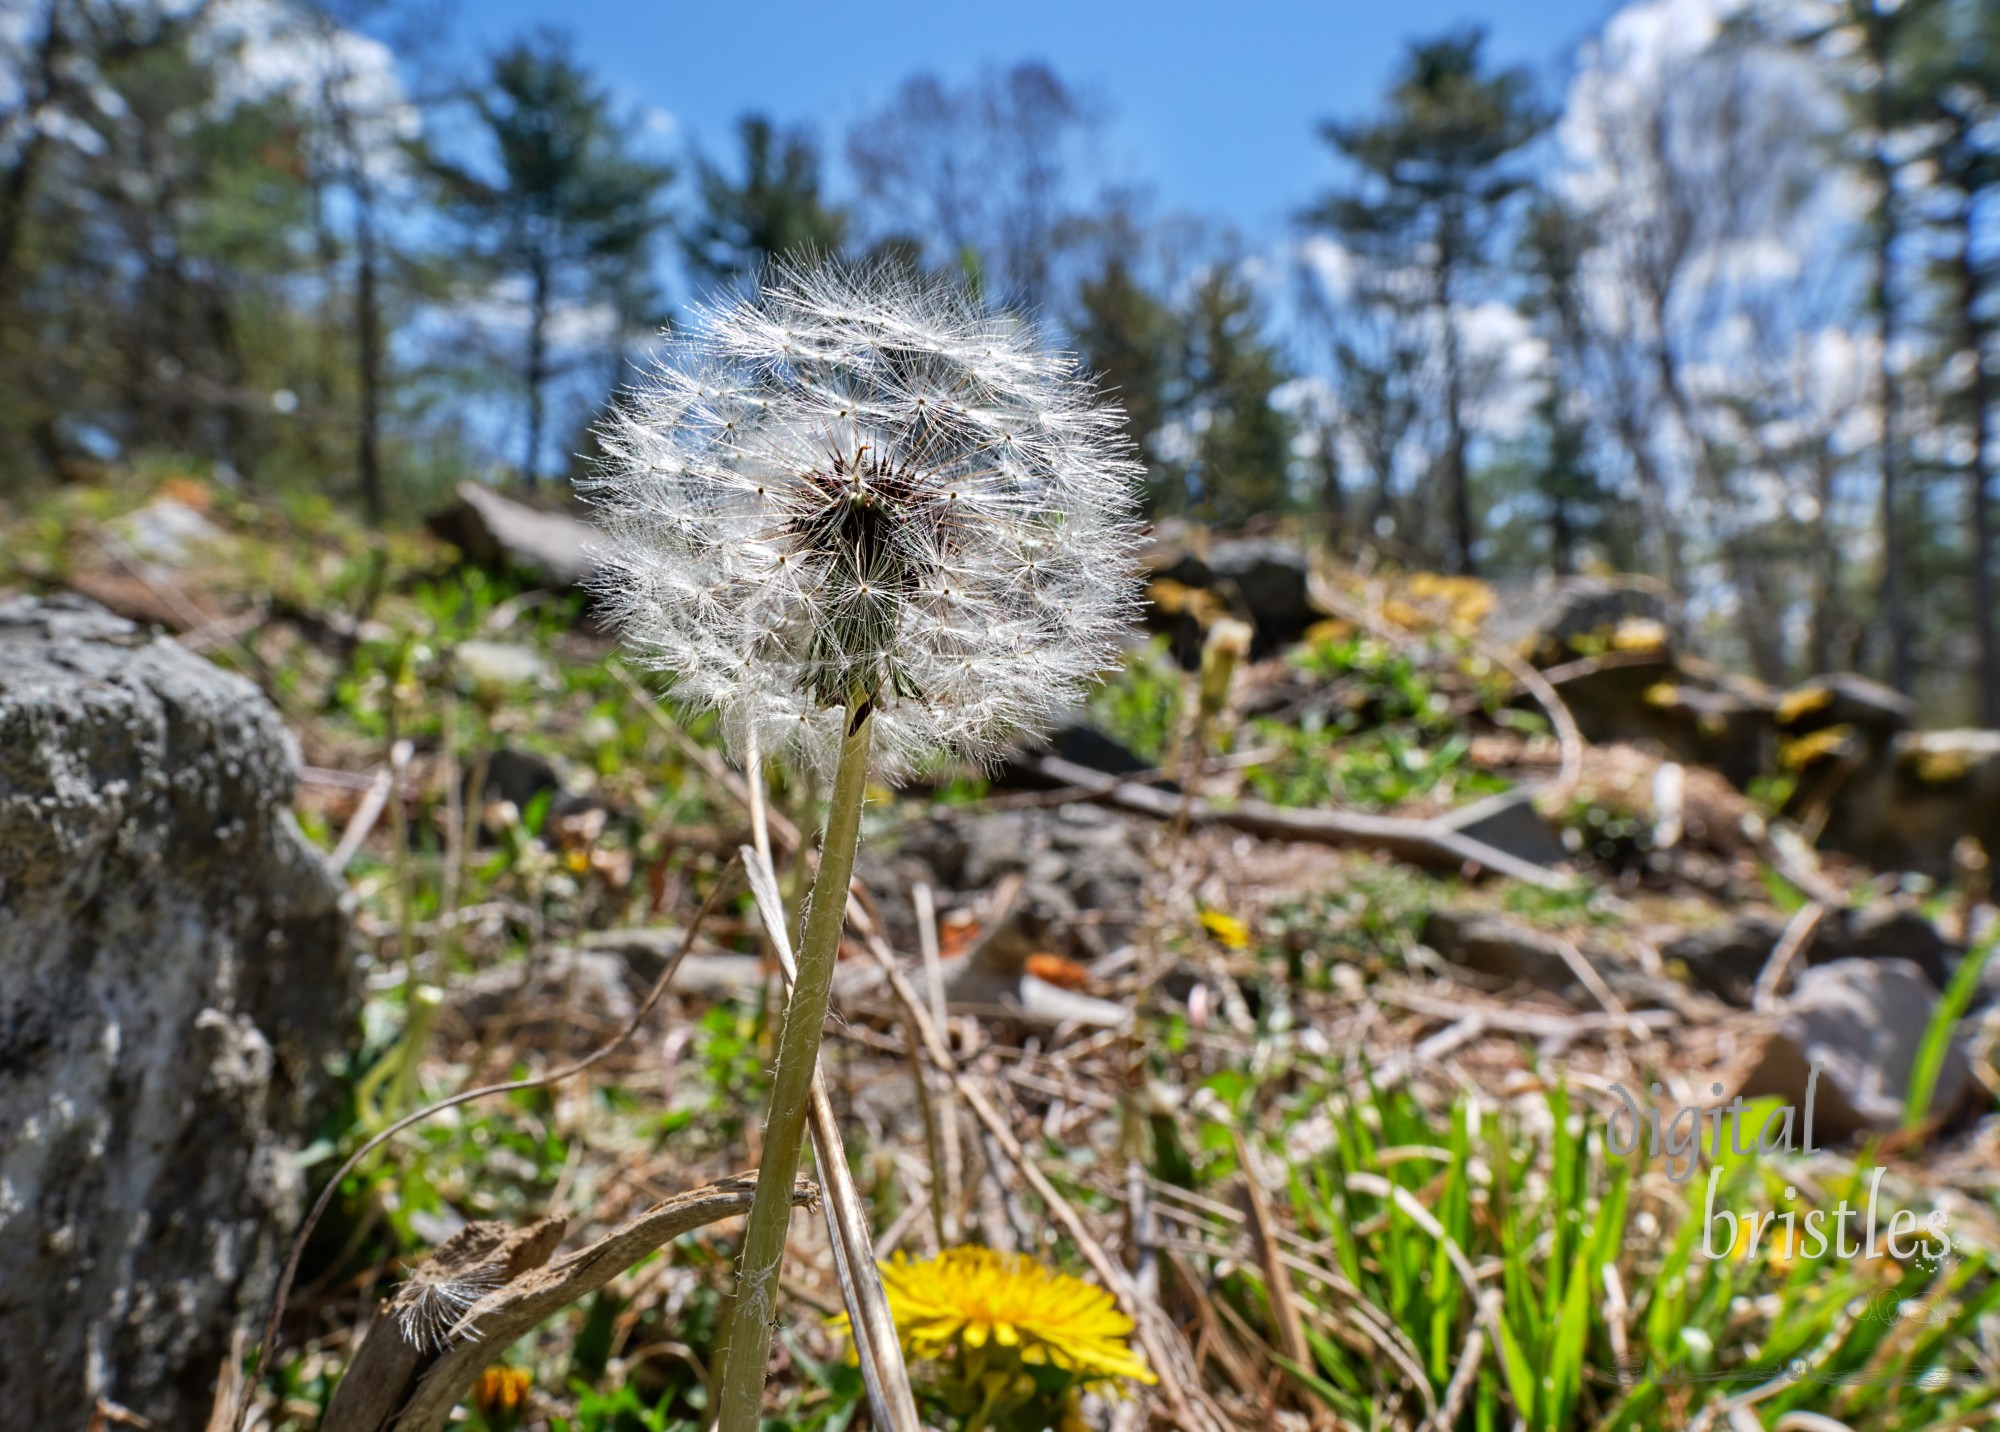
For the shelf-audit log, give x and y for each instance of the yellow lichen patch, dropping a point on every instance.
(1795, 706)
(1803, 751)
(1935, 767)
(1178, 598)
(1465, 600)
(1639, 634)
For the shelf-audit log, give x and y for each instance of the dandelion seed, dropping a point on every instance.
(818, 475)
(430, 1305)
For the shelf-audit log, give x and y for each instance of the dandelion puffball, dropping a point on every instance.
(855, 486)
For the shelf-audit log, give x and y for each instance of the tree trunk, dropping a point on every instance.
(1895, 615)
(1827, 616)
(1747, 576)
(19, 180)
(368, 348)
(1458, 487)
(1979, 510)
(538, 368)
(1653, 497)
(1332, 500)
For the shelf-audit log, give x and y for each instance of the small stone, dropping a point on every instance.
(1861, 1022)
(552, 548)
(494, 667)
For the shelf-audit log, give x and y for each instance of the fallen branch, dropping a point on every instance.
(373, 800)
(1535, 1024)
(1428, 841)
(1796, 940)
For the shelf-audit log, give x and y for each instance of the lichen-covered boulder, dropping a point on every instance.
(174, 973)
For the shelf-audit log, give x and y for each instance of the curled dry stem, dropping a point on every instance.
(267, 1343)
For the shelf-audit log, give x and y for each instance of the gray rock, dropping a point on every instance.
(1261, 579)
(174, 974)
(1269, 580)
(1514, 952)
(1639, 691)
(552, 548)
(1726, 959)
(1510, 823)
(1909, 804)
(1556, 621)
(492, 668)
(1081, 866)
(1500, 946)
(165, 531)
(1887, 930)
(1861, 1022)
(1844, 699)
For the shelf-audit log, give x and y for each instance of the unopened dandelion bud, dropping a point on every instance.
(1227, 645)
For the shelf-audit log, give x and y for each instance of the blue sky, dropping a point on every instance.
(1213, 104)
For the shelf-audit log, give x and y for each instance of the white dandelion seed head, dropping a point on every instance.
(854, 484)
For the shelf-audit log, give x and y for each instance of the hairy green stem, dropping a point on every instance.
(748, 1350)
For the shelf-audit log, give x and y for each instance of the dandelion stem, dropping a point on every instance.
(748, 1351)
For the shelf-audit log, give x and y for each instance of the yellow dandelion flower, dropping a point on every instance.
(1745, 1244)
(969, 1298)
(1784, 1254)
(500, 1393)
(1229, 930)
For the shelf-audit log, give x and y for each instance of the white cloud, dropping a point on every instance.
(1498, 339)
(266, 50)
(1329, 263)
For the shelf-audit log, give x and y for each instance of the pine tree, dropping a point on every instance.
(1552, 243)
(1869, 44)
(1128, 337)
(1437, 173)
(1954, 58)
(1241, 445)
(573, 210)
(776, 209)
(151, 219)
